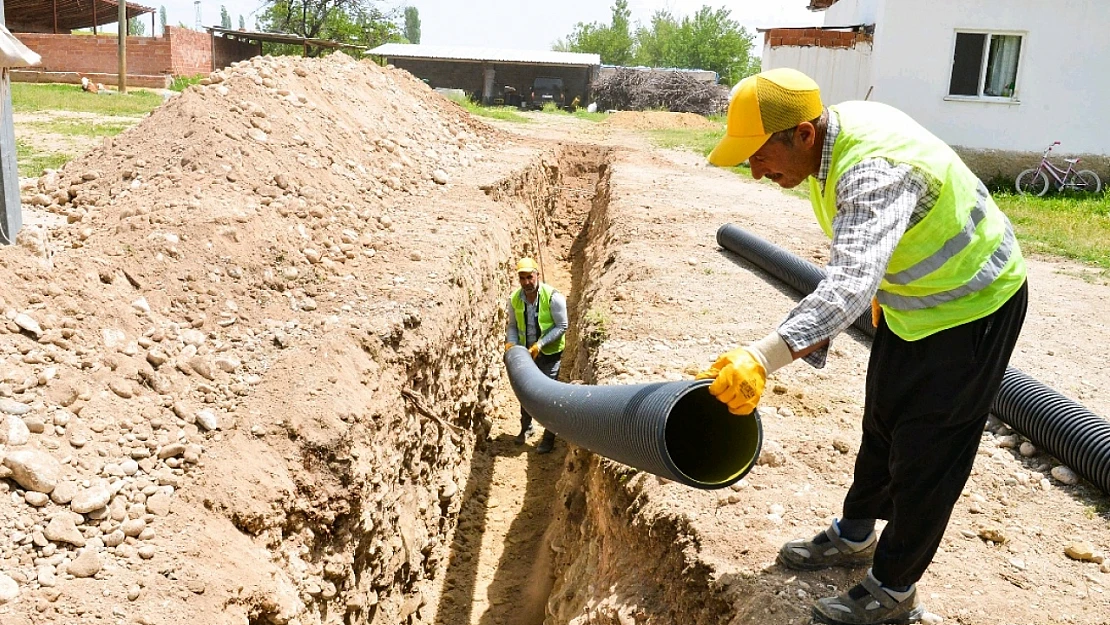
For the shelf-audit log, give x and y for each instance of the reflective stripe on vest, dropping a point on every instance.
(960, 261)
(986, 277)
(543, 317)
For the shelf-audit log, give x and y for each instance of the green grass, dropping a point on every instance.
(181, 83)
(504, 113)
(699, 141)
(31, 98)
(580, 113)
(70, 127)
(32, 163)
(1076, 227)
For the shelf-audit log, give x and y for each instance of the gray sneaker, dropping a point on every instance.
(814, 554)
(868, 604)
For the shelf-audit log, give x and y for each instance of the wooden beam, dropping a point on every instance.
(55, 17)
(123, 27)
(94, 17)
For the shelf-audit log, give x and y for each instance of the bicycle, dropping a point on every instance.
(1035, 181)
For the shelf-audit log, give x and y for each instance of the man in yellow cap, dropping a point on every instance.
(916, 234)
(537, 320)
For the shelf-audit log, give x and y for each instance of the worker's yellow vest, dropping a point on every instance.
(543, 313)
(958, 263)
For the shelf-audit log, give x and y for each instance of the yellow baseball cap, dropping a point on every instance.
(527, 265)
(761, 105)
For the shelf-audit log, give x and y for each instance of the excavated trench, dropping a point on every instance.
(418, 507)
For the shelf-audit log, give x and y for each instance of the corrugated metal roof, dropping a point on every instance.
(540, 57)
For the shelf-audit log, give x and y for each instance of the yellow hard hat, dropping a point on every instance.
(526, 265)
(763, 104)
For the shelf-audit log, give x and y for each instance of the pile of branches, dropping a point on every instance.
(629, 89)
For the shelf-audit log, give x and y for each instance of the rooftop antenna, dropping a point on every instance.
(196, 5)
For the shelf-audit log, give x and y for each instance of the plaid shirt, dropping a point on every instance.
(876, 202)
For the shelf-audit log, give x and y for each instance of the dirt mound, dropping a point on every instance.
(659, 120)
(208, 321)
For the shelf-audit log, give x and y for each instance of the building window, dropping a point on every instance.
(985, 65)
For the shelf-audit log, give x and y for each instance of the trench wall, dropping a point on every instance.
(615, 561)
(365, 527)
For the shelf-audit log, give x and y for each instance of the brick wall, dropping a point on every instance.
(228, 51)
(191, 51)
(814, 37)
(469, 76)
(88, 54)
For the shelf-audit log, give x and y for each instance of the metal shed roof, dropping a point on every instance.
(503, 55)
(247, 35)
(66, 14)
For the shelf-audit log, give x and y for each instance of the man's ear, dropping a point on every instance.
(806, 133)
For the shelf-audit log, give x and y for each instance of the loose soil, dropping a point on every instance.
(658, 120)
(265, 326)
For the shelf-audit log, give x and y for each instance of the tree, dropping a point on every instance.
(709, 40)
(162, 17)
(225, 17)
(242, 23)
(135, 27)
(613, 41)
(358, 22)
(412, 24)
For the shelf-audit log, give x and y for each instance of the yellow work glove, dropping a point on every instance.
(509, 345)
(738, 382)
(534, 350)
(876, 312)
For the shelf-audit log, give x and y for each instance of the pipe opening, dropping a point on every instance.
(707, 443)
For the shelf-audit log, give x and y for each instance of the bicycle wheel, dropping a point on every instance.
(1032, 181)
(1087, 181)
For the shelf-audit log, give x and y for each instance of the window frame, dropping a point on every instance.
(983, 62)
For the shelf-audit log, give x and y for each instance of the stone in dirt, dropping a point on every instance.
(9, 589)
(34, 469)
(61, 529)
(86, 565)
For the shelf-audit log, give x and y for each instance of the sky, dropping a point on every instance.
(521, 24)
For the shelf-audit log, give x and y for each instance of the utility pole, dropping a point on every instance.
(196, 7)
(123, 27)
(11, 211)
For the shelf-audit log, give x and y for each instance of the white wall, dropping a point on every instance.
(852, 12)
(842, 73)
(1063, 82)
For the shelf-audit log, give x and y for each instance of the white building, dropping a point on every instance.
(998, 79)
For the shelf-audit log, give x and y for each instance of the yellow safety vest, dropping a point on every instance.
(545, 319)
(961, 262)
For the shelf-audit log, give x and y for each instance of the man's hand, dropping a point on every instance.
(534, 350)
(738, 380)
(876, 312)
(509, 345)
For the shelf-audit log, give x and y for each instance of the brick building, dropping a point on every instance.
(484, 73)
(45, 26)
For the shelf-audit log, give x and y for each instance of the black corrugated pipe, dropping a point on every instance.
(675, 430)
(1072, 434)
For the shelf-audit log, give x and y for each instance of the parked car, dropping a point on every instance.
(544, 90)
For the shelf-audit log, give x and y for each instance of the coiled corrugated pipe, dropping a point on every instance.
(675, 430)
(1072, 434)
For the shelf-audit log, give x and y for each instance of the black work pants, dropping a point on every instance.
(927, 402)
(549, 365)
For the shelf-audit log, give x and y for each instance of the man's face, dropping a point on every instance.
(787, 164)
(529, 282)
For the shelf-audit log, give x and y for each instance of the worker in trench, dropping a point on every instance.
(916, 235)
(537, 319)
